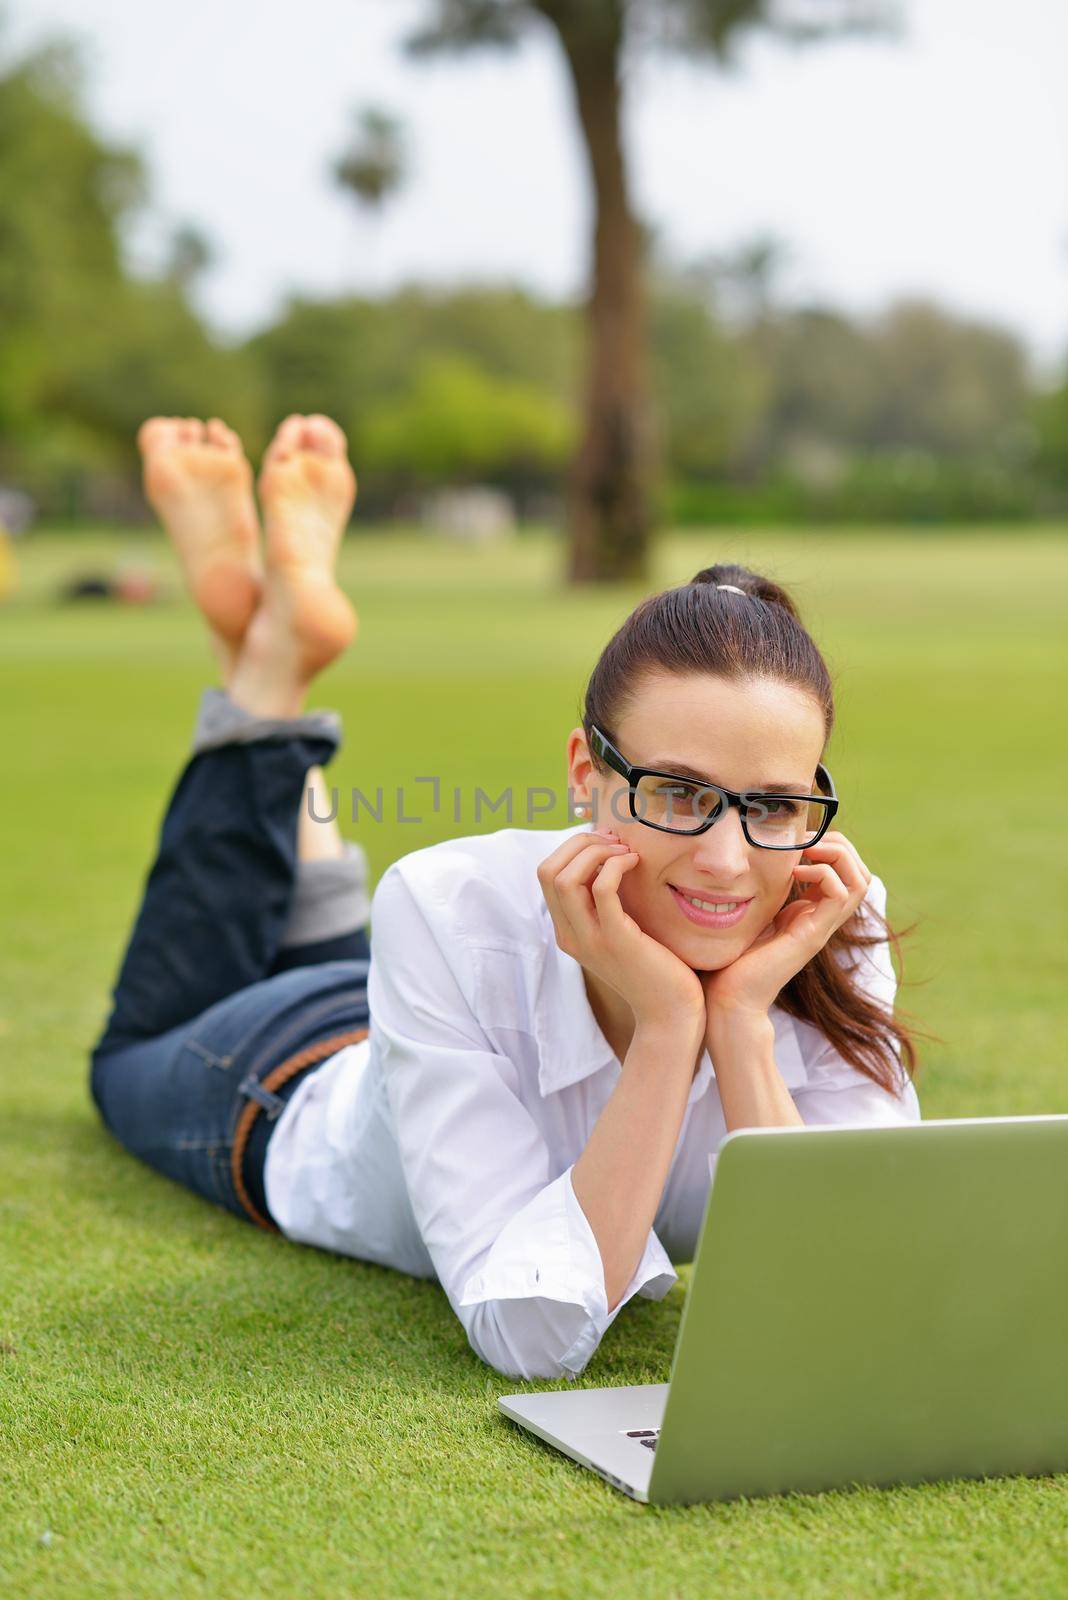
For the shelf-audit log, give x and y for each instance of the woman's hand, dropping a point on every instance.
(835, 881)
(580, 882)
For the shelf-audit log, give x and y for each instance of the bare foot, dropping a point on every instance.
(306, 490)
(200, 485)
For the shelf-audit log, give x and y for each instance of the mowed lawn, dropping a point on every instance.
(189, 1406)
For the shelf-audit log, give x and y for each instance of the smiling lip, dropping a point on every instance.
(710, 919)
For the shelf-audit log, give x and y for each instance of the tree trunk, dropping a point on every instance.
(609, 500)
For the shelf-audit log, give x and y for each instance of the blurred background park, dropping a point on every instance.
(601, 291)
(682, 264)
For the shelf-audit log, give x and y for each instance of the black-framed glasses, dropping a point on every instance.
(673, 804)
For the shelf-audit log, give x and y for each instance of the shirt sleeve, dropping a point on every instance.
(836, 1091)
(510, 1243)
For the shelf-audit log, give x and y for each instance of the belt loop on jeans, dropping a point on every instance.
(262, 1098)
(253, 1089)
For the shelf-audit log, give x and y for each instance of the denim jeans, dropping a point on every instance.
(244, 969)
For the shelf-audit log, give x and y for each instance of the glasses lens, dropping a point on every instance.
(674, 803)
(782, 823)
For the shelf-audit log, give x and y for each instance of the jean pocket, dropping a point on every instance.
(211, 1058)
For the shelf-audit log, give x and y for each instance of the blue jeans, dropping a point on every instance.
(244, 969)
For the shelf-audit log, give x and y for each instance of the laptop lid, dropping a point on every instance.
(874, 1305)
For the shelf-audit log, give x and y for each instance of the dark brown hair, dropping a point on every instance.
(701, 628)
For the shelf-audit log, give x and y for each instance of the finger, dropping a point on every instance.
(569, 903)
(851, 870)
(553, 864)
(573, 882)
(844, 860)
(837, 842)
(795, 919)
(611, 917)
(831, 902)
(823, 886)
(570, 848)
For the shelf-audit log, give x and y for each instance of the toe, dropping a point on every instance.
(286, 440)
(154, 432)
(290, 430)
(190, 430)
(222, 436)
(323, 435)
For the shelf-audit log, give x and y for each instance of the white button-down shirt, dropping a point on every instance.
(443, 1144)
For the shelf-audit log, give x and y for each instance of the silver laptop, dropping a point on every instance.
(869, 1305)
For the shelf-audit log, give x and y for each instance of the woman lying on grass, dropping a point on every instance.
(524, 1093)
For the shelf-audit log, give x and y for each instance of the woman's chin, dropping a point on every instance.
(717, 960)
(708, 952)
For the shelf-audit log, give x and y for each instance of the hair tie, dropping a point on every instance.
(733, 587)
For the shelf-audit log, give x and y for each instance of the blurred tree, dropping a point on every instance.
(610, 500)
(352, 357)
(459, 423)
(64, 196)
(374, 165)
(1050, 422)
(741, 284)
(711, 391)
(87, 350)
(189, 256)
(822, 376)
(948, 385)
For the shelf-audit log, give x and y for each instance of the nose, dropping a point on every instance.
(723, 850)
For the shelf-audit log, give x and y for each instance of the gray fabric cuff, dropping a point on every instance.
(329, 898)
(220, 722)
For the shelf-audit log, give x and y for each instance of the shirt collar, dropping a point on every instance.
(571, 1045)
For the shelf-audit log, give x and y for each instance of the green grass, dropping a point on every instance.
(188, 1406)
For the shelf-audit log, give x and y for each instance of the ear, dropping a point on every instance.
(580, 769)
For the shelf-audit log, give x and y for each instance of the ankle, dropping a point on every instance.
(268, 683)
(268, 700)
(267, 687)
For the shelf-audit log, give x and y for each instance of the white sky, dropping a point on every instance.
(938, 165)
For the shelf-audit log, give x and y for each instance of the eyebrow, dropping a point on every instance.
(680, 769)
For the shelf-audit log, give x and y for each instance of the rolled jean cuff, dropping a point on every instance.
(330, 898)
(220, 722)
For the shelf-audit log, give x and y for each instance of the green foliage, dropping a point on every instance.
(63, 197)
(1051, 433)
(896, 486)
(762, 411)
(362, 361)
(87, 350)
(455, 25)
(374, 165)
(714, 26)
(457, 421)
(710, 393)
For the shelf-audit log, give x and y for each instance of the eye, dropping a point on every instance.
(773, 808)
(691, 796)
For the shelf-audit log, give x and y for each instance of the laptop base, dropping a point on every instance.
(595, 1427)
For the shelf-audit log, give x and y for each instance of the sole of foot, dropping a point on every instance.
(306, 491)
(198, 481)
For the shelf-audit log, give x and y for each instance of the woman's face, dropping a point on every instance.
(757, 733)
